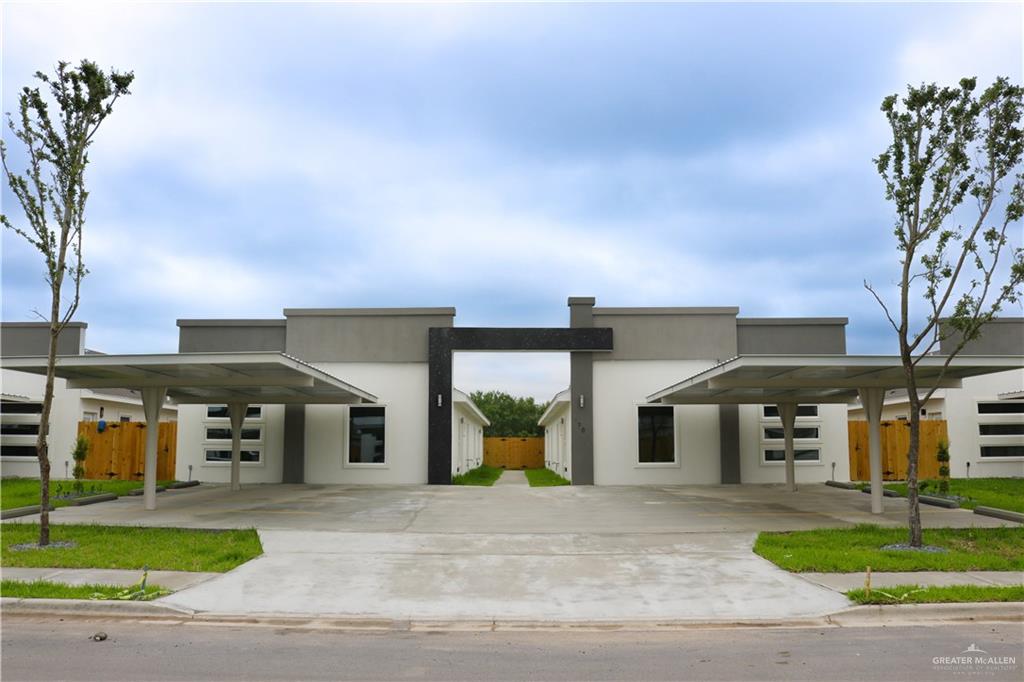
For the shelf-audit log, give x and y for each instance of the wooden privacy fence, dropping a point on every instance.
(514, 452)
(895, 443)
(119, 452)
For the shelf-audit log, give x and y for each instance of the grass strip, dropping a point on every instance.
(1001, 493)
(22, 492)
(44, 589)
(850, 550)
(543, 478)
(946, 594)
(130, 547)
(482, 475)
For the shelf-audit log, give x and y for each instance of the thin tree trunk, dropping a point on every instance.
(42, 448)
(913, 454)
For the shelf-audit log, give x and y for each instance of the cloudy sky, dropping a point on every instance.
(497, 158)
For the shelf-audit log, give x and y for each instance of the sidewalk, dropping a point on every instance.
(841, 582)
(512, 478)
(171, 580)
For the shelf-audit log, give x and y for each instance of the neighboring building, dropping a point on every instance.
(556, 421)
(467, 434)
(984, 418)
(21, 402)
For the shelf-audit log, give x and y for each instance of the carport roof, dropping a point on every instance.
(770, 379)
(203, 378)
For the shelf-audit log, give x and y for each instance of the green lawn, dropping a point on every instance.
(42, 589)
(542, 478)
(22, 492)
(131, 547)
(1002, 493)
(482, 475)
(915, 594)
(850, 550)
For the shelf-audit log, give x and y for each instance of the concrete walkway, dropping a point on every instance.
(842, 582)
(514, 477)
(172, 580)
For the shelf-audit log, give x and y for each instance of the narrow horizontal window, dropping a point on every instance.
(19, 429)
(225, 456)
(224, 433)
(222, 412)
(1002, 407)
(807, 455)
(17, 451)
(772, 411)
(1001, 429)
(778, 433)
(366, 427)
(16, 407)
(656, 433)
(997, 451)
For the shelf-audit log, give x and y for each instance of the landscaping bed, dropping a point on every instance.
(24, 492)
(948, 594)
(43, 589)
(482, 475)
(851, 550)
(1001, 493)
(543, 478)
(129, 547)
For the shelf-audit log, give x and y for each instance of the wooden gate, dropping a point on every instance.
(895, 443)
(514, 453)
(119, 452)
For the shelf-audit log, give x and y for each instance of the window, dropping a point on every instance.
(993, 451)
(1002, 407)
(772, 411)
(801, 455)
(16, 407)
(19, 429)
(126, 418)
(1001, 429)
(17, 450)
(250, 456)
(224, 433)
(221, 412)
(89, 416)
(656, 434)
(366, 435)
(778, 433)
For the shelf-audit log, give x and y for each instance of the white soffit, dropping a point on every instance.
(203, 378)
(769, 379)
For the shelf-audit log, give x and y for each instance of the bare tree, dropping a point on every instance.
(52, 195)
(946, 172)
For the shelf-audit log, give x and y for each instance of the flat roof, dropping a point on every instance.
(203, 378)
(769, 379)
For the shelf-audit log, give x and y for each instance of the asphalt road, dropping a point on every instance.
(46, 649)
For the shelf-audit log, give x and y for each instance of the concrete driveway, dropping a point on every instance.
(511, 552)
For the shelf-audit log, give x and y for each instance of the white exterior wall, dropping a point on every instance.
(833, 445)
(114, 409)
(619, 387)
(401, 388)
(467, 439)
(558, 441)
(962, 426)
(192, 446)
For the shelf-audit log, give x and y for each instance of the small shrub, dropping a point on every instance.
(942, 455)
(79, 453)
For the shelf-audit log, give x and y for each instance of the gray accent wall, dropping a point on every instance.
(670, 333)
(363, 334)
(581, 395)
(1001, 336)
(294, 444)
(226, 336)
(785, 336)
(21, 339)
(729, 442)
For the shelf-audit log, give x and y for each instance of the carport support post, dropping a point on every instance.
(152, 400)
(872, 399)
(787, 412)
(236, 412)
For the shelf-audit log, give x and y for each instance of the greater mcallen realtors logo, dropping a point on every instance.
(975, 661)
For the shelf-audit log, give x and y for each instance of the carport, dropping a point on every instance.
(790, 380)
(235, 379)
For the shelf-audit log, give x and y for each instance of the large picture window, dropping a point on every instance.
(366, 435)
(656, 434)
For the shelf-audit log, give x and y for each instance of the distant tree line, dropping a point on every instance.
(509, 416)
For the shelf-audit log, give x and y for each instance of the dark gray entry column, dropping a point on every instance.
(294, 444)
(581, 391)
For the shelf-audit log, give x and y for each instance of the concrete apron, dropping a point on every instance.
(536, 577)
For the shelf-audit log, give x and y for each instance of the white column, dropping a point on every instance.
(787, 411)
(236, 412)
(872, 399)
(152, 400)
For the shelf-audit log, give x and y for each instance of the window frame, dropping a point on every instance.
(22, 440)
(676, 459)
(347, 434)
(802, 421)
(998, 440)
(222, 463)
(218, 444)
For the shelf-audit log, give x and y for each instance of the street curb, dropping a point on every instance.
(857, 616)
(1004, 514)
